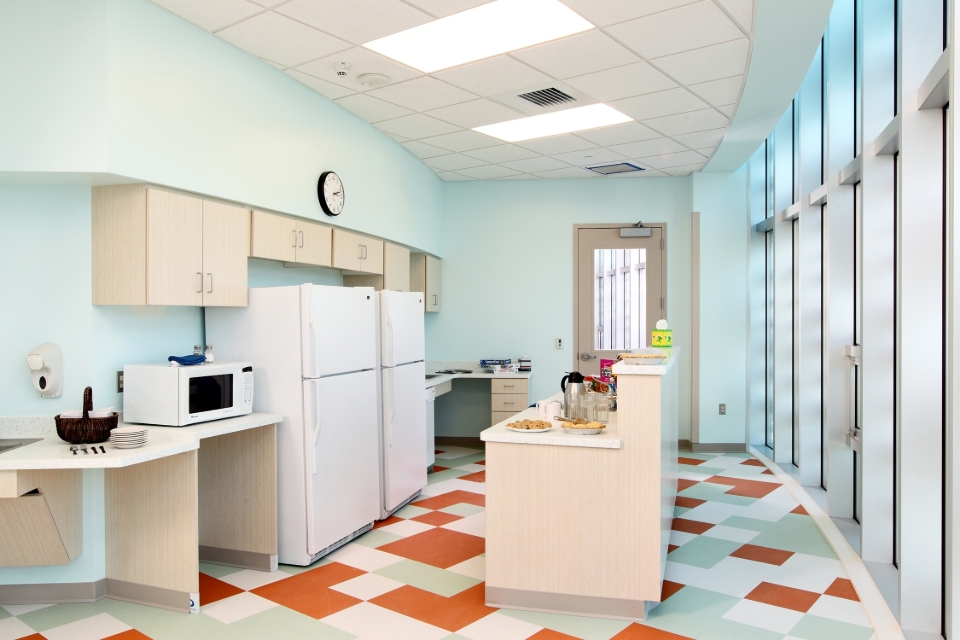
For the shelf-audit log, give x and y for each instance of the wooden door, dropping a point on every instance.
(273, 237)
(372, 256)
(432, 293)
(174, 249)
(396, 267)
(314, 244)
(226, 242)
(347, 250)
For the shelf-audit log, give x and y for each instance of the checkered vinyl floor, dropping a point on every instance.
(745, 563)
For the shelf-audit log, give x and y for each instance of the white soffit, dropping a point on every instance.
(677, 67)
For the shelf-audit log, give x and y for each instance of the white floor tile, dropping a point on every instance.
(811, 573)
(20, 609)
(248, 579)
(93, 628)
(475, 568)
(714, 512)
(765, 616)
(681, 538)
(841, 609)
(696, 477)
(243, 605)
(13, 628)
(455, 484)
(730, 533)
(452, 453)
(361, 557)
(499, 627)
(367, 586)
(407, 528)
(475, 525)
(473, 468)
(731, 576)
(370, 621)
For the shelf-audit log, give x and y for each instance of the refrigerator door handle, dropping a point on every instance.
(315, 424)
(391, 359)
(392, 397)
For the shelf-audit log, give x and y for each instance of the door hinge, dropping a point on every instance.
(661, 244)
(661, 303)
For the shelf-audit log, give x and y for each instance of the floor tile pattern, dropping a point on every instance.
(746, 562)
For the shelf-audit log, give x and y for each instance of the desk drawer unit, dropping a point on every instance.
(509, 385)
(515, 402)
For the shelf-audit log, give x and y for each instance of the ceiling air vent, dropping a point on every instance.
(611, 169)
(550, 97)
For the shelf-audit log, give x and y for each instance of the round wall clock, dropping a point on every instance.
(330, 193)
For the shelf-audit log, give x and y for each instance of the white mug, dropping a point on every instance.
(549, 409)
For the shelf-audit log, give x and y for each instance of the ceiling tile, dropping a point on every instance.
(502, 153)
(591, 157)
(493, 76)
(449, 176)
(646, 173)
(688, 122)
(742, 12)
(541, 163)
(607, 12)
(577, 55)
(371, 109)
(668, 160)
(702, 139)
(441, 8)
(462, 141)
(475, 113)
(709, 63)
(728, 109)
(453, 162)
(322, 87)
(717, 92)
(557, 144)
(278, 38)
(273, 64)
(211, 14)
(707, 152)
(423, 150)
(649, 148)
(662, 103)
(357, 21)
(684, 170)
(269, 3)
(619, 134)
(396, 137)
(688, 27)
(489, 172)
(422, 93)
(520, 176)
(415, 126)
(361, 61)
(571, 172)
(622, 82)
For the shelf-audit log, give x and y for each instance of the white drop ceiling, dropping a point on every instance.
(676, 66)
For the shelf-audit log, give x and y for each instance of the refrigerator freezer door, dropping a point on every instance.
(404, 433)
(342, 462)
(339, 327)
(401, 328)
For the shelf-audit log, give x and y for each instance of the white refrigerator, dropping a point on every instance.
(403, 411)
(315, 361)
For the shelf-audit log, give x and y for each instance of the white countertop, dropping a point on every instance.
(623, 368)
(607, 439)
(53, 453)
(476, 372)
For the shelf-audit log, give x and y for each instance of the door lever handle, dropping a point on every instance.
(587, 356)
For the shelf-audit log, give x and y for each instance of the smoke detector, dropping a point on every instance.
(372, 80)
(342, 69)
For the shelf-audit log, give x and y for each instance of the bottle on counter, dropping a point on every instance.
(208, 354)
(197, 350)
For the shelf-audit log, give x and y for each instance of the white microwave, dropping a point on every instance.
(180, 396)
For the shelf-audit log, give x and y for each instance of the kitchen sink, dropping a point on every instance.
(9, 444)
(431, 376)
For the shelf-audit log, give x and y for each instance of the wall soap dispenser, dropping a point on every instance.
(46, 369)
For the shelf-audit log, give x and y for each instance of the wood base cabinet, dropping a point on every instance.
(508, 397)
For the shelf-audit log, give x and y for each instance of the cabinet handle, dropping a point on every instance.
(301, 239)
(436, 300)
(200, 286)
(294, 238)
(509, 403)
(210, 290)
(360, 250)
(364, 252)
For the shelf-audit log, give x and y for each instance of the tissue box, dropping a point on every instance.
(661, 338)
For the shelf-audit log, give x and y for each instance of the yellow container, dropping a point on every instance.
(661, 338)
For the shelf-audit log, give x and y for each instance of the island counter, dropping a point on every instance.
(583, 528)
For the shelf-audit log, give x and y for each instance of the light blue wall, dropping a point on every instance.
(507, 272)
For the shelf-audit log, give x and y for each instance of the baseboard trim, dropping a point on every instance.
(55, 593)
(718, 447)
(243, 559)
(181, 601)
(593, 606)
(683, 444)
(471, 443)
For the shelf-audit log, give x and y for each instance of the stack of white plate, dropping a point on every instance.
(128, 437)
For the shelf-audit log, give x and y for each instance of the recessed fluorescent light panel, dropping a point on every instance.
(593, 116)
(614, 169)
(481, 32)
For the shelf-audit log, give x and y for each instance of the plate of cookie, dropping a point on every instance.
(530, 426)
(583, 428)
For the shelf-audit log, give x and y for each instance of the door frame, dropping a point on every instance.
(576, 289)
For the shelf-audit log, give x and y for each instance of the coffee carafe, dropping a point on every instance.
(573, 389)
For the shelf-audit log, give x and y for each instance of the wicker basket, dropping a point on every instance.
(86, 430)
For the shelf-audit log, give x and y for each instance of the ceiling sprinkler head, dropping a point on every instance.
(342, 69)
(369, 80)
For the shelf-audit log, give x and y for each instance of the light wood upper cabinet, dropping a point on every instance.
(425, 277)
(396, 267)
(273, 237)
(372, 256)
(314, 244)
(353, 252)
(174, 249)
(226, 238)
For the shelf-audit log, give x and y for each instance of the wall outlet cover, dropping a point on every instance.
(723, 409)
(559, 343)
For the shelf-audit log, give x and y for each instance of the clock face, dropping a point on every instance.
(330, 193)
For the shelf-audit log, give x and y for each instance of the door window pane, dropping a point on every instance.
(619, 298)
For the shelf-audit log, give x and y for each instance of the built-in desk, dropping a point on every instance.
(478, 399)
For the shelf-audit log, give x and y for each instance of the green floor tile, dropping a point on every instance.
(423, 576)
(813, 627)
(679, 511)
(701, 469)
(750, 524)
(60, 614)
(462, 509)
(217, 570)
(410, 511)
(4, 613)
(576, 626)
(715, 493)
(447, 474)
(473, 458)
(284, 623)
(377, 538)
(704, 552)
(696, 613)
(797, 533)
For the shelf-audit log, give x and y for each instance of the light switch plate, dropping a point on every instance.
(723, 409)
(559, 343)
(119, 381)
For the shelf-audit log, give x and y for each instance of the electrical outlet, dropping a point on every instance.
(119, 381)
(559, 343)
(723, 409)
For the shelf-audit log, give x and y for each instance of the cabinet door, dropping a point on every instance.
(347, 250)
(396, 267)
(226, 244)
(174, 249)
(372, 255)
(433, 284)
(314, 243)
(273, 237)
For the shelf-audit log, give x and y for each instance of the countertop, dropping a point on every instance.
(624, 369)
(477, 373)
(608, 439)
(53, 453)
